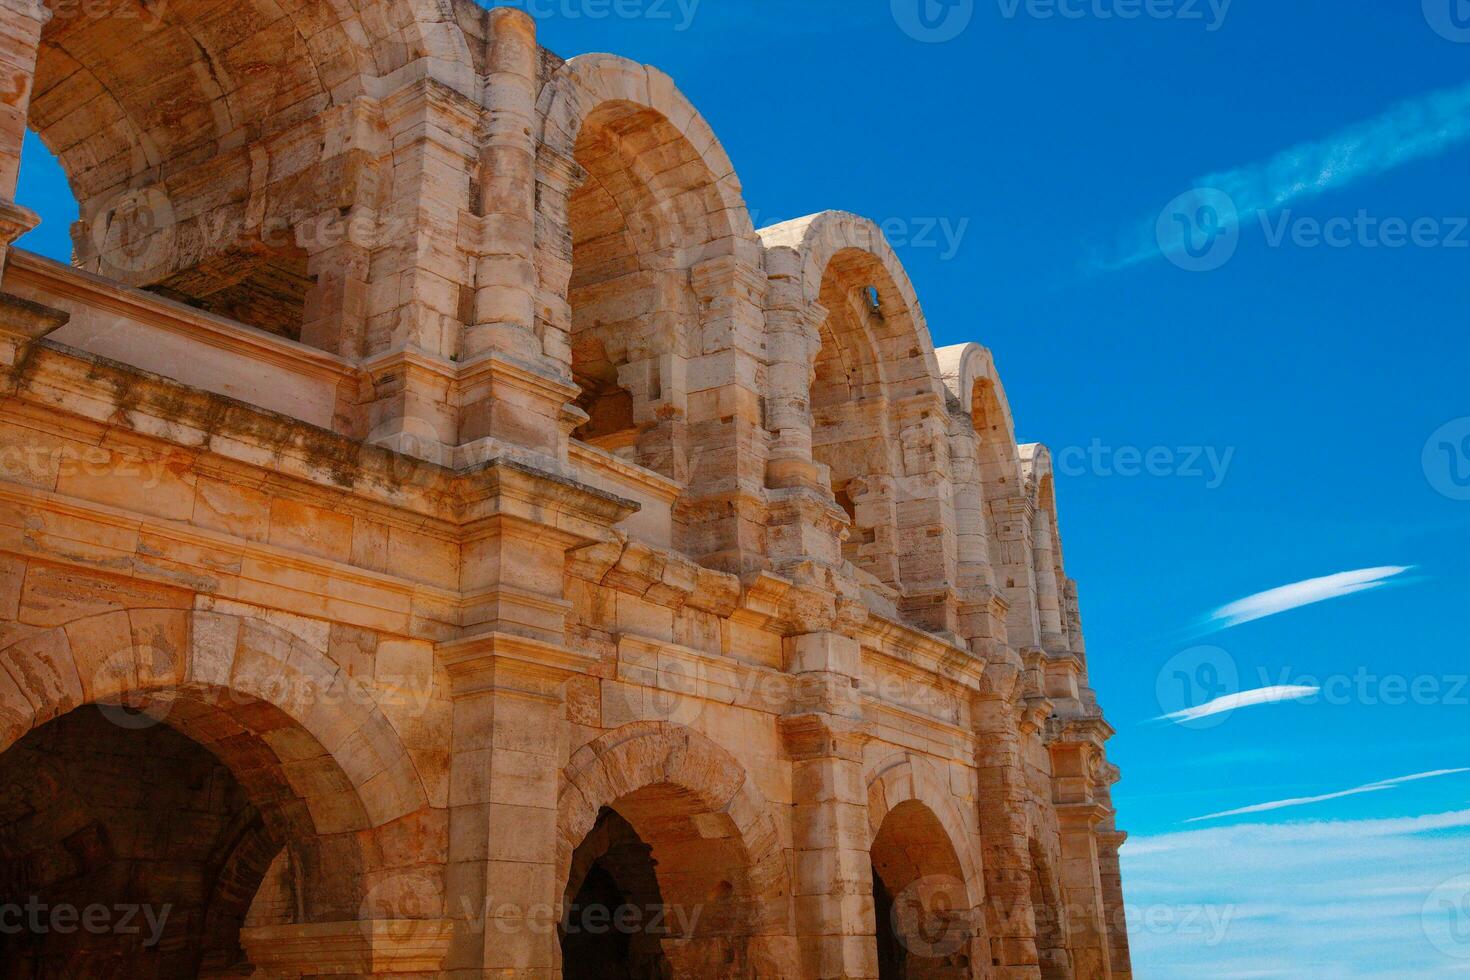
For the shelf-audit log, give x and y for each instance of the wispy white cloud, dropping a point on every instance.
(1326, 898)
(1299, 594)
(1379, 786)
(1245, 699)
(1415, 129)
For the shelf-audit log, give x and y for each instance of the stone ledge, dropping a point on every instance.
(369, 946)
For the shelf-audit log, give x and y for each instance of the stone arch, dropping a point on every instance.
(909, 366)
(711, 836)
(160, 652)
(322, 764)
(927, 884)
(975, 386)
(640, 220)
(217, 80)
(875, 403)
(590, 81)
(188, 134)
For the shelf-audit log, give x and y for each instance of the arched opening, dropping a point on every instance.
(614, 921)
(191, 139)
(852, 433)
(133, 840)
(639, 222)
(921, 905)
(1051, 942)
(659, 888)
(44, 189)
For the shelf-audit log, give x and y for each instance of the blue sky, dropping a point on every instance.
(1034, 172)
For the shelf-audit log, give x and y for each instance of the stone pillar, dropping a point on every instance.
(833, 884)
(415, 313)
(721, 518)
(503, 895)
(793, 331)
(1011, 525)
(505, 275)
(514, 387)
(1048, 597)
(1082, 884)
(507, 673)
(20, 38)
(340, 242)
(927, 548)
(1109, 839)
(1005, 846)
(1108, 842)
(1076, 759)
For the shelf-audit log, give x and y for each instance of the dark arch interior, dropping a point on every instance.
(608, 929)
(125, 851)
(919, 899)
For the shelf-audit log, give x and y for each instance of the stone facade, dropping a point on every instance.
(440, 536)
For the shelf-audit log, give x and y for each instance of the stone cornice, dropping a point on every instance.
(654, 484)
(816, 735)
(508, 663)
(359, 947)
(252, 345)
(209, 542)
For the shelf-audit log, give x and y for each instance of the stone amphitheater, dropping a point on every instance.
(441, 536)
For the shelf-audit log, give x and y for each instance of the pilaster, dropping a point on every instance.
(501, 882)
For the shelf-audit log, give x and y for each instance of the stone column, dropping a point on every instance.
(1076, 758)
(20, 38)
(514, 388)
(505, 275)
(1082, 883)
(1108, 842)
(507, 672)
(721, 517)
(833, 884)
(501, 882)
(793, 331)
(1006, 854)
(1109, 839)
(927, 548)
(1048, 597)
(415, 313)
(1011, 523)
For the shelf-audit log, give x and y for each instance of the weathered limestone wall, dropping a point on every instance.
(427, 437)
